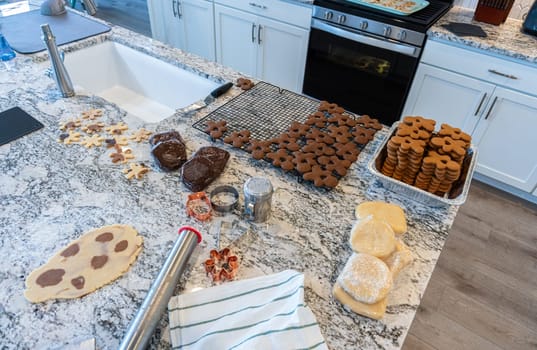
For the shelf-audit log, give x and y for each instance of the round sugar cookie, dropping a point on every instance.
(372, 236)
(96, 258)
(391, 213)
(366, 278)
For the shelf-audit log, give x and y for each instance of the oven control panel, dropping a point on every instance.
(370, 26)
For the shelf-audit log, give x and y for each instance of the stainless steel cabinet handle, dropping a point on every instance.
(491, 107)
(179, 14)
(253, 32)
(257, 5)
(259, 34)
(493, 71)
(480, 104)
(174, 8)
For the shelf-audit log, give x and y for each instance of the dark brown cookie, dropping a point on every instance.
(259, 148)
(238, 138)
(321, 178)
(317, 119)
(340, 133)
(304, 161)
(216, 129)
(287, 142)
(362, 135)
(342, 120)
(297, 130)
(368, 122)
(347, 151)
(318, 148)
(281, 159)
(245, 84)
(320, 137)
(331, 108)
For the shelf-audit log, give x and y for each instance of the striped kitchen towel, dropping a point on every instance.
(260, 313)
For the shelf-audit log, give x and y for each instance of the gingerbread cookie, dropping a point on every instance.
(413, 132)
(363, 135)
(320, 177)
(216, 129)
(455, 134)
(121, 155)
(97, 258)
(245, 84)
(420, 122)
(304, 161)
(92, 114)
(287, 142)
(238, 138)
(70, 125)
(259, 148)
(318, 148)
(333, 163)
(340, 133)
(456, 149)
(69, 138)
(93, 128)
(332, 108)
(368, 122)
(94, 140)
(140, 135)
(342, 120)
(320, 137)
(116, 129)
(297, 130)
(317, 119)
(347, 151)
(135, 171)
(281, 159)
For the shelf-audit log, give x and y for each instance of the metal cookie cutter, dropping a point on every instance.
(224, 199)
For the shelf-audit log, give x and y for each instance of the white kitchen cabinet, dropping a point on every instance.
(505, 139)
(494, 100)
(185, 24)
(268, 48)
(447, 97)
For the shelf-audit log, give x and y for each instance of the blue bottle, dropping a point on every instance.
(6, 52)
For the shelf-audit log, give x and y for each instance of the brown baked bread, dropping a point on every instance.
(204, 167)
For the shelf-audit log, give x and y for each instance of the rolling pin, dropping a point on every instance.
(144, 323)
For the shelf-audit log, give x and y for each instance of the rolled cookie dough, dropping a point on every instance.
(96, 258)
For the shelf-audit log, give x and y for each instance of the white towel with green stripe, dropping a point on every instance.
(259, 313)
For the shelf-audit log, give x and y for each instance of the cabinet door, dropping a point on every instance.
(198, 27)
(166, 23)
(505, 139)
(282, 53)
(447, 97)
(236, 39)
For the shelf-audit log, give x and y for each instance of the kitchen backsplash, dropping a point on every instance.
(519, 11)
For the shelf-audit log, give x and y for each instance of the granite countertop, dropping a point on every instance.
(505, 40)
(51, 193)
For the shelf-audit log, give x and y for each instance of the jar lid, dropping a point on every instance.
(258, 186)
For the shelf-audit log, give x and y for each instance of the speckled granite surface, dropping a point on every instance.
(505, 40)
(51, 193)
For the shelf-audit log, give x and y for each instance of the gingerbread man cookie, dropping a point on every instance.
(69, 138)
(135, 171)
(92, 114)
(140, 135)
(94, 140)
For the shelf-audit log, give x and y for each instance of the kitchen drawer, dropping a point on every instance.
(295, 14)
(481, 66)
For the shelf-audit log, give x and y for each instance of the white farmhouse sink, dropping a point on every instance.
(140, 84)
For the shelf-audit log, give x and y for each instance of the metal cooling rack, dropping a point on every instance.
(266, 110)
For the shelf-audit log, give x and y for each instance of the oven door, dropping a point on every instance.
(364, 74)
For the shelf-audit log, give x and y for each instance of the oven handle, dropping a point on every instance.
(364, 39)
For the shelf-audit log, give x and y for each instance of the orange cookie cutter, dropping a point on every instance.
(222, 265)
(198, 206)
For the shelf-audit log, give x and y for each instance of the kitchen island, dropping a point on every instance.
(51, 193)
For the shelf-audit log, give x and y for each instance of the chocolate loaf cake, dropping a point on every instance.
(204, 167)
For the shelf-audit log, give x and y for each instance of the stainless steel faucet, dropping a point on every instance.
(60, 72)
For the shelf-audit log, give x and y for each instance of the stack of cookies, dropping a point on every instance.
(319, 149)
(420, 157)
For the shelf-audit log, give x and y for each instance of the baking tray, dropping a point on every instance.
(456, 196)
(398, 7)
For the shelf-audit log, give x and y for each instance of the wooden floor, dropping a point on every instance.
(483, 292)
(130, 14)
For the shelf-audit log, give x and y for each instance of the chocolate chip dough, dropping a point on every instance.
(96, 258)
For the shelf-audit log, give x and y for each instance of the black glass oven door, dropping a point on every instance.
(362, 73)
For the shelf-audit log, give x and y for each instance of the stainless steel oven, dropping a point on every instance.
(363, 63)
